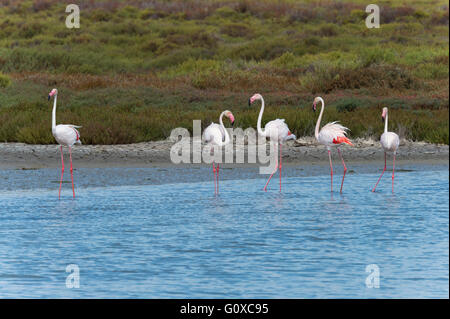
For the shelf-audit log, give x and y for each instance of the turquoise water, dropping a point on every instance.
(161, 232)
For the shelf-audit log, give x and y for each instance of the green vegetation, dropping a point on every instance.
(136, 70)
(5, 81)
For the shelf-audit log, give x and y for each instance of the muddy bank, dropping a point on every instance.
(303, 150)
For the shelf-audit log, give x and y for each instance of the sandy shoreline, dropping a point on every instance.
(149, 154)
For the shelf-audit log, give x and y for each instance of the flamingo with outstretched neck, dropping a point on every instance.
(277, 130)
(332, 134)
(217, 134)
(390, 142)
(66, 135)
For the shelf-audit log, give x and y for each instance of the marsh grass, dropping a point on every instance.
(125, 118)
(135, 70)
(5, 81)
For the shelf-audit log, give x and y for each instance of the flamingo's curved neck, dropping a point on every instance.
(316, 133)
(260, 131)
(386, 123)
(54, 113)
(227, 135)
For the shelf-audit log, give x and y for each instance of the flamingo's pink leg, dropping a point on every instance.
(280, 167)
(71, 171)
(214, 172)
(331, 170)
(217, 178)
(265, 187)
(384, 169)
(345, 168)
(393, 168)
(62, 172)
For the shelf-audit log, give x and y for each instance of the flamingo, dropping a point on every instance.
(277, 130)
(65, 135)
(332, 134)
(217, 134)
(390, 142)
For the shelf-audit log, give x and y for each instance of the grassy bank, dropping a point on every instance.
(131, 73)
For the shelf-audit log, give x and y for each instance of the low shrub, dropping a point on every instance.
(29, 30)
(347, 105)
(5, 81)
(311, 41)
(326, 79)
(42, 5)
(328, 30)
(390, 14)
(431, 71)
(177, 56)
(100, 15)
(286, 61)
(236, 30)
(357, 15)
(393, 103)
(260, 50)
(226, 12)
(125, 28)
(430, 104)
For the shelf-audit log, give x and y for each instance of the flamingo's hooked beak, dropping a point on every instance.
(52, 93)
(314, 106)
(382, 118)
(231, 117)
(249, 102)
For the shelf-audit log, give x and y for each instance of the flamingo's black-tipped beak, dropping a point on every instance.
(314, 107)
(48, 97)
(232, 123)
(249, 102)
(382, 118)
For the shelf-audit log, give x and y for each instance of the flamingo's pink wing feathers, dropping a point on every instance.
(334, 133)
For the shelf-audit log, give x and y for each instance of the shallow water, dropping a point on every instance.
(161, 232)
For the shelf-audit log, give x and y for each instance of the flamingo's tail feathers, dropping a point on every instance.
(77, 140)
(342, 139)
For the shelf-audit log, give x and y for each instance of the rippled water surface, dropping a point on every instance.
(161, 232)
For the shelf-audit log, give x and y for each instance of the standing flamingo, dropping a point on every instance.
(276, 130)
(65, 135)
(216, 134)
(390, 142)
(332, 134)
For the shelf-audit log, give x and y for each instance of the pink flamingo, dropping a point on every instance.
(390, 142)
(276, 130)
(65, 135)
(332, 134)
(216, 134)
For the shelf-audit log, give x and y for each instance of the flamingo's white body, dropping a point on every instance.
(217, 135)
(331, 134)
(65, 135)
(389, 142)
(277, 130)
